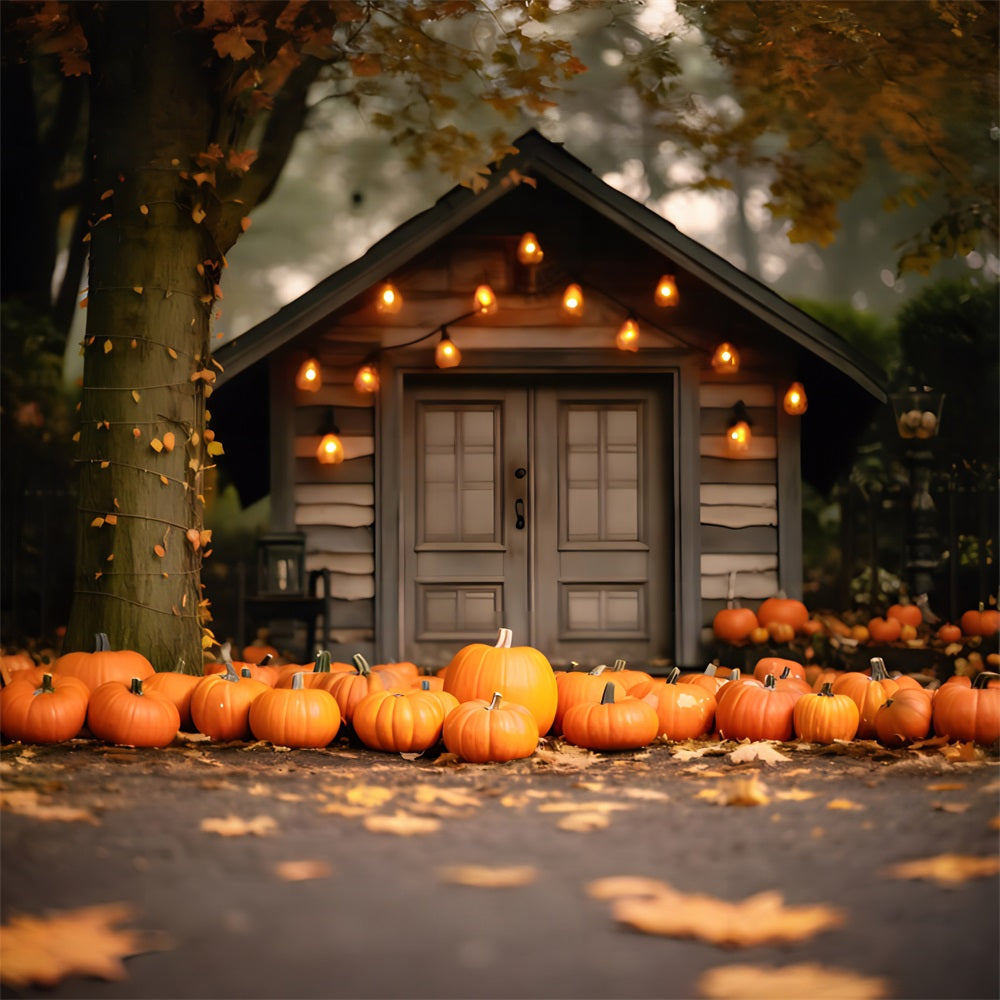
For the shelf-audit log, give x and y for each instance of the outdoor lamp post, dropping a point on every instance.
(918, 417)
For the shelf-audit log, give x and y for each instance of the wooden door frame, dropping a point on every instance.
(679, 366)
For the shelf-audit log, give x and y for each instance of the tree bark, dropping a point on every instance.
(147, 368)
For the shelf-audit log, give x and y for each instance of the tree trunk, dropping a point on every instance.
(147, 367)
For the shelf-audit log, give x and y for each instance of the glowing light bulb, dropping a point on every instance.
(795, 402)
(738, 438)
(628, 336)
(726, 359)
(446, 354)
(572, 300)
(309, 377)
(330, 450)
(666, 291)
(528, 250)
(367, 378)
(389, 300)
(485, 300)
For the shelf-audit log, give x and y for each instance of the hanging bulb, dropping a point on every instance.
(795, 401)
(389, 300)
(666, 291)
(309, 377)
(330, 450)
(738, 434)
(367, 378)
(572, 300)
(726, 359)
(628, 336)
(485, 300)
(446, 354)
(528, 250)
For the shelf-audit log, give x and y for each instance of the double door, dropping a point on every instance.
(544, 507)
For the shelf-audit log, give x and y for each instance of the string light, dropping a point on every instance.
(331, 448)
(528, 250)
(446, 354)
(367, 378)
(738, 433)
(389, 299)
(572, 300)
(795, 402)
(666, 291)
(485, 300)
(726, 359)
(309, 377)
(628, 336)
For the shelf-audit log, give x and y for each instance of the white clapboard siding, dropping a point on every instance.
(356, 493)
(738, 563)
(346, 515)
(359, 563)
(350, 636)
(716, 446)
(722, 395)
(754, 586)
(738, 517)
(354, 447)
(738, 494)
(351, 587)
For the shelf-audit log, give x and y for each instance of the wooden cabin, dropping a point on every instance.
(563, 480)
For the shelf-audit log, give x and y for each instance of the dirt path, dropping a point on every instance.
(265, 873)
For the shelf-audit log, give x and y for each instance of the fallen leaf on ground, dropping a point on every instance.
(83, 942)
(681, 753)
(486, 877)
(564, 757)
(402, 824)
(951, 807)
(596, 807)
(584, 822)
(646, 794)
(957, 752)
(946, 786)
(752, 982)
(426, 794)
(339, 809)
(757, 920)
(302, 871)
(845, 804)
(946, 869)
(794, 794)
(235, 826)
(749, 791)
(370, 796)
(27, 802)
(761, 750)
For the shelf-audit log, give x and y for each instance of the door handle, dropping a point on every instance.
(519, 514)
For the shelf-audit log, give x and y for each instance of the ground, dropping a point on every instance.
(255, 872)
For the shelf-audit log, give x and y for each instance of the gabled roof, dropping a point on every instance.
(536, 156)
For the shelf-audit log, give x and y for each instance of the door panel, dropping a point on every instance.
(542, 507)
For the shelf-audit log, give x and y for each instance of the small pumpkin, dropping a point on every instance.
(51, 712)
(734, 624)
(14, 663)
(710, 679)
(616, 722)
(104, 664)
(785, 610)
(949, 633)
(220, 704)
(906, 614)
(822, 716)
(776, 665)
(755, 710)
(350, 687)
(981, 621)
(497, 730)
(581, 687)
(400, 722)
(968, 714)
(129, 715)
(883, 630)
(620, 673)
(298, 716)
(522, 674)
(904, 718)
(323, 674)
(178, 685)
(684, 711)
(781, 632)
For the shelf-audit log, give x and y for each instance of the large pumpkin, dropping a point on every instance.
(401, 722)
(684, 711)
(968, 714)
(128, 715)
(783, 611)
(522, 674)
(296, 716)
(482, 731)
(104, 664)
(52, 712)
(754, 710)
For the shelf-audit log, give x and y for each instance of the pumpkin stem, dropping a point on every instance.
(425, 685)
(770, 682)
(46, 687)
(504, 639)
(826, 690)
(322, 664)
(265, 660)
(364, 667)
(597, 671)
(495, 703)
(230, 674)
(983, 678)
(101, 644)
(608, 697)
(619, 664)
(879, 673)
(136, 686)
(710, 669)
(297, 680)
(245, 672)
(785, 674)
(675, 672)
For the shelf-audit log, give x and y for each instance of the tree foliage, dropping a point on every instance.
(824, 90)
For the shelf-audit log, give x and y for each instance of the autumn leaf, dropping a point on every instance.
(28, 802)
(234, 826)
(845, 804)
(749, 791)
(302, 871)
(369, 796)
(168, 441)
(947, 870)
(751, 982)
(84, 942)
(757, 920)
(584, 822)
(488, 877)
(762, 751)
(402, 824)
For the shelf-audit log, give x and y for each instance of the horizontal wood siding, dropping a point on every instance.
(335, 506)
(739, 501)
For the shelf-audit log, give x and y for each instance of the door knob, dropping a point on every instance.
(520, 473)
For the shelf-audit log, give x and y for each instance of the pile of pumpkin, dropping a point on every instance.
(491, 703)
(782, 619)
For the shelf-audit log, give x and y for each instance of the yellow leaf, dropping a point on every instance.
(97, 522)
(172, 353)
(105, 465)
(198, 214)
(233, 826)
(164, 480)
(301, 871)
(488, 877)
(792, 982)
(76, 436)
(133, 343)
(144, 209)
(168, 441)
(28, 802)
(135, 395)
(215, 448)
(156, 444)
(137, 289)
(108, 346)
(111, 519)
(946, 869)
(369, 795)
(845, 804)
(584, 822)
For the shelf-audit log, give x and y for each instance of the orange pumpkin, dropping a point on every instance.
(298, 716)
(983, 621)
(823, 716)
(750, 709)
(734, 624)
(869, 692)
(685, 711)
(399, 722)
(620, 673)
(104, 664)
(949, 633)
(968, 714)
(482, 731)
(777, 665)
(885, 629)
(904, 718)
(348, 688)
(581, 687)
(50, 712)
(522, 674)
(783, 610)
(220, 704)
(617, 721)
(129, 715)
(906, 614)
